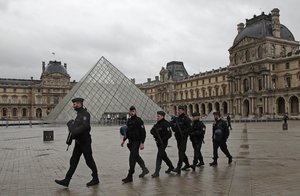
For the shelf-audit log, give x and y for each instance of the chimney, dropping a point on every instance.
(240, 27)
(65, 65)
(156, 78)
(133, 80)
(148, 80)
(275, 23)
(43, 66)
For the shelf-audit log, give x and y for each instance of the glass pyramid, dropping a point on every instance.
(107, 94)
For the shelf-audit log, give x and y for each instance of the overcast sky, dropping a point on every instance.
(137, 36)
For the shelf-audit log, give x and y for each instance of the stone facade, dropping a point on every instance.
(262, 79)
(22, 99)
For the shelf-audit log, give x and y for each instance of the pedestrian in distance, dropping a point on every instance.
(161, 132)
(136, 135)
(229, 121)
(220, 133)
(197, 138)
(181, 125)
(79, 130)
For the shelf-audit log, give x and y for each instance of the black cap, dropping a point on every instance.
(181, 107)
(132, 108)
(162, 113)
(216, 113)
(196, 114)
(77, 99)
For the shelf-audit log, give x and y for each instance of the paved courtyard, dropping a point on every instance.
(266, 162)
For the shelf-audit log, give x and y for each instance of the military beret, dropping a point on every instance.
(196, 114)
(132, 108)
(216, 113)
(77, 99)
(181, 107)
(162, 113)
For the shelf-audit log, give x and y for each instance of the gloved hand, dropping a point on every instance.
(70, 124)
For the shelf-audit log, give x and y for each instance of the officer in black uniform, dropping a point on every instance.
(181, 125)
(219, 137)
(136, 135)
(197, 136)
(161, 132)
(80, 132)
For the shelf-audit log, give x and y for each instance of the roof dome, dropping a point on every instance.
(260, 27)
(55, 67)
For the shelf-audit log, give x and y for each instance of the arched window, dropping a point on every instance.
(283, 51)
(260, 52)
(14, 112)
(247, 55)
(273, 50)
(236, 59)
(4, 112)
(246, 85)
(24, 112)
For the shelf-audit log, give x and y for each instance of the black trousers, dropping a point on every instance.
(134, 156)
(223, 146)
(229, 126)
(181, 145)
(162, 156)
(197, 152)
(86, 150)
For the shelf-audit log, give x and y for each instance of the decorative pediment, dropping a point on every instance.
(246, 41)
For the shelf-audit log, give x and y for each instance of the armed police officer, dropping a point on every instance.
(181, 125)
(136, 135)
(161, 132)
(219, 136)
(80, 132)
(197, 136)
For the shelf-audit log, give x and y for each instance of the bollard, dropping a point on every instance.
(48, 135)
(284, 126)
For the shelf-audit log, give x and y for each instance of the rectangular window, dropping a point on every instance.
(287, 66)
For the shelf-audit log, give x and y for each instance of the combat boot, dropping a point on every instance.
(144, 172)
(169, 170)
(193, 167)
(93, 182)
(128, 178)
(214, 163)
(229, 159)
(177, 170)
(186, 167)
(65, 182)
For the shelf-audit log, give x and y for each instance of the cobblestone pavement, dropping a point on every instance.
(266, 162)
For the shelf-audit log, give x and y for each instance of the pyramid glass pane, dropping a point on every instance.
(108, 94)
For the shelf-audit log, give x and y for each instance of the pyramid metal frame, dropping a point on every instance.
(106, 91)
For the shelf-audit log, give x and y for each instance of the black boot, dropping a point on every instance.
(128, 178)
(93, 182)
(200, 164)
(144, 172)
(65, 182)
(156, 173)
(186, 167)
(169, 170)
(193, 167)
(229, 159)
(214, 163)
(177, 170)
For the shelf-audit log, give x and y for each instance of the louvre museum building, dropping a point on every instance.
(262, 79)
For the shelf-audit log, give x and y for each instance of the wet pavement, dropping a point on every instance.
(265, 162)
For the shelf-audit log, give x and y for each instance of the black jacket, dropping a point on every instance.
(81, 127)
(181, 125)
(136, 130)
(221, 124)
(197, 131)
(161, 131)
